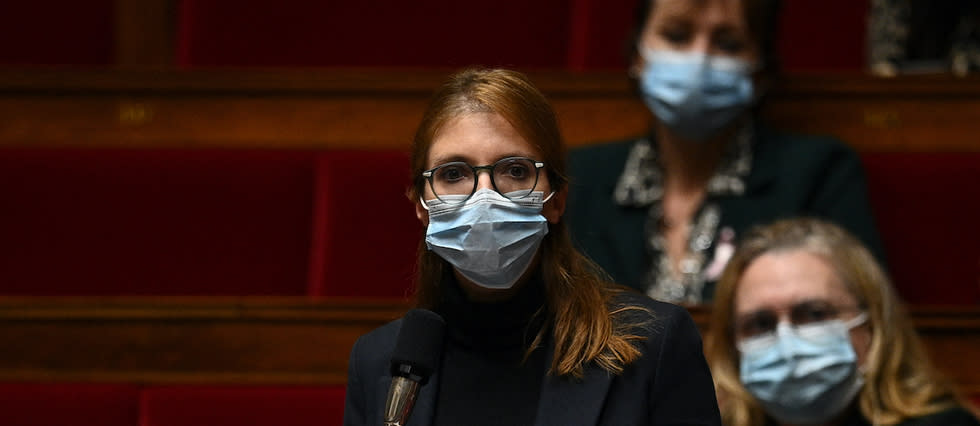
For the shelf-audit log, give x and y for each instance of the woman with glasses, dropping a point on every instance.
(534, 334)
(806, 330)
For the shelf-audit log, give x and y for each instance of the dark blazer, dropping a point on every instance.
(669, 385)
(956, 416)
(951, 417)
(791, 175)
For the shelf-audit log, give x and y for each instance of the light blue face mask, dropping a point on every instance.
(489, 239)
(694, 94)
(803, 375)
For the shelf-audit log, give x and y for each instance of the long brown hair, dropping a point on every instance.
(900, 382)
(584, 324)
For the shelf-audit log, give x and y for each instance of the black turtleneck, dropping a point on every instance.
(484, 379)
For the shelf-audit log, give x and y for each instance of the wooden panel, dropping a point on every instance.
(162, 121)
(953, 340)
(886, 115)
(281, 340)
(380, 109)
(205, 340)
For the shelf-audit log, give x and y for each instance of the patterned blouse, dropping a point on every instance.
(642, 185)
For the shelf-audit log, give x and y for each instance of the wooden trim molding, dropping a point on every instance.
(379, 109)
(277, 340)
(184, 340)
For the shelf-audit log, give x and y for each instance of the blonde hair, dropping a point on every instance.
(900, 381)
(585, 324)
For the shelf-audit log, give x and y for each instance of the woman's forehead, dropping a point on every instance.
(780, 280)
(714, 12)
(478, 138)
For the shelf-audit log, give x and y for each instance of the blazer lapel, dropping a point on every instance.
(569, 402)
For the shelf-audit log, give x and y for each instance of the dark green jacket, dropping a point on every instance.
(951, 417)
(956, 416)
(791, 175)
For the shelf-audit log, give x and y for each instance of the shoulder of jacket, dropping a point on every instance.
(793, 144)
(653, 316)
(953, 416)
(377, 345)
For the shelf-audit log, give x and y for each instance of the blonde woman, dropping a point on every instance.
(806, 329)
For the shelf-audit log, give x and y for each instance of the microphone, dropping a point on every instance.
(416, 356)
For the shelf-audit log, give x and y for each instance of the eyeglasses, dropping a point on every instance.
(764, 322)
(512, 177)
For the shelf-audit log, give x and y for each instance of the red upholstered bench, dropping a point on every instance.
(242, 406)
(75, 404)
(140, 222)
(927, 207)
(89, 222)
(365, 232)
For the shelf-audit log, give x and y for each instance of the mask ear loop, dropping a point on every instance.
(850, 324)
(856, 321)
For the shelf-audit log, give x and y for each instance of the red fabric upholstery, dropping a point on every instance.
(57, 32)
(337, 223)
(842, 49)
(131, 222)
(374, 33)
(242, 406)
(61, 404)
(577, 34)
(927, 207)
(366, 233)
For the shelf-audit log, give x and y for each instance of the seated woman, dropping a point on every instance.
(661, 213)
(806, 329)
(534, 335)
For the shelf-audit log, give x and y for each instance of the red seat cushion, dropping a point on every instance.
(366, 234)
(57, 404)
(927, 207)
(331, 34)
(57, 32)
(242, 406)
(155, 222)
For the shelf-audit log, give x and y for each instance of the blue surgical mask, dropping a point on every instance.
(489, 239)
(804, 374)
(694, 94)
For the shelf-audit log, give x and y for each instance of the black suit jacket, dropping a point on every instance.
(955, 416)
(669, 385)
(791, 175)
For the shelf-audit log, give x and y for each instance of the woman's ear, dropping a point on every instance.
(636, 64)
(421, 213)
(555, 207)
